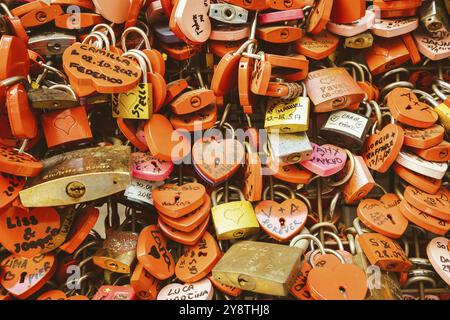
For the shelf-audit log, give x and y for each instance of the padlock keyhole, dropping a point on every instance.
(343, 292)
(282, 222)
(390, 218)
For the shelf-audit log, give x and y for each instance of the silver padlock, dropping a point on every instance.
(433, 17)
(51, 43)
(228, 13)
(290, 148)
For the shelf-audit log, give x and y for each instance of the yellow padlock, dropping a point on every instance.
(288, 116)
(234, 219)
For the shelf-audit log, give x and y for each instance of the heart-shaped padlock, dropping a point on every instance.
(201, 290)
(327, 160)
(436, 205)
(148, 168)
(439, 254)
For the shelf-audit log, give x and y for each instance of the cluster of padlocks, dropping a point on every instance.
(224, 150)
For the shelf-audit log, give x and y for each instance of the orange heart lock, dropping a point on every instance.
(282, 221)
(382, 148)
(22, 277)
(22, 121)
(424, 183)
(253, 179)
(27, 232)
(177, 201)
(436, 205)
(192, 220)
(144, 284)
(186, 238)
(317, 46)
(289, 173)
(198, 261)
(163, 141)
(424, 220)
(383, 216)
(438, 153)
(406, 108)
(129, 129)
(37, 13)
(153, 254)
(175, 88)
(319, 16)
(424, 138)
(197, 121)
(20, 164)
(10, 186)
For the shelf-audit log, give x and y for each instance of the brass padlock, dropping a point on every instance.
(333, 89)
(290, 148)
(79, 176)
(288, 116)
(53, 98)
(259, 267)
(233, 220)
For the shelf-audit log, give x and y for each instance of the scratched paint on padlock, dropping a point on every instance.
(141, 190)
(133, 104)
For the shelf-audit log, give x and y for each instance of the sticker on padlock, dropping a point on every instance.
(141, 190)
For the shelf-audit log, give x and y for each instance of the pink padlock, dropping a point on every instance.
(389, 28)
(439, 255)
(350, 30)
(327, 160)
(200, 290)
(280, 16)
(148, 168)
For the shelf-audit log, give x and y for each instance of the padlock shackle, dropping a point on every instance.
(99, 43)
(280, 188)
(331, 234)
(349, 174)
(141, 62)
(145, 57)
(138, 31)
(66, 88)
(354, 65)
(310, 237)
(107, 44)
(110, 31)
(333, 252)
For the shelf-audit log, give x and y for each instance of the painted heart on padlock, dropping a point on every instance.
(383, 216)
(22, 277)
(406, 108)
(115, 11)
(152, 253)
(201, 290)
(438, 251)
(282, 221)
(327, 160)
(344, 282)
(436, 205)
(65, 123)
(198, 261)
(28, 232)
(177, 201)
(382, 149)
(217, 160)
(148, 168)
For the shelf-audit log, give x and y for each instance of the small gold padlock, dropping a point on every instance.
(259, 267)
(235, 219)
(288, 116)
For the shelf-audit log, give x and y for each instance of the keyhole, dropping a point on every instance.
(22, 277)
(390, 218)
(282, 222)
(288, 3)
(41, 16)
(284, 34)
(344, 292)
(177, 198)
(216, 161)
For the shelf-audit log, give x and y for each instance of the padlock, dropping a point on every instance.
(144, 284)
(434, 49)
(165, 35)
(326, 160)
(361, 41)
(386, 54)
(51, 43)
(433, 17)
(424, 183)
(280, 16)
(319, 16)
(436, 170)
(390, 28)
(360, 183)
(37, 13)
(79, 176)
(259, 267)
(281, 221)
(200, 290)
(396, 9)
(345, 12)
(435, 205)
(253, 176)
(318, 46)
(442, 109)
(347, 129)
(115, 292)
(233, 220)
(438, 153)
(382, 251)
(332, 89)
(438, 253)
(228, 13)
(288, 116)
(357, 27)
(289, 148)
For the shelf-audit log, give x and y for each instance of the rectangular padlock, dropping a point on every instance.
(289, 148)
(79, 176)
(259, 267)
(51, 43)
(333, 89)
(346, 129)
(228, 13)
(360, 183)
(360, 41)
(434, 18)
(288, 116)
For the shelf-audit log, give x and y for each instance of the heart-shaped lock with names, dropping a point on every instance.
(91, 69)
(28, 232)
(10, 186)
(424, 220)
(423, 138)
(178, 201)
(318, 46)
(282, 221)
(201, 290)
(190, 20)
(327, 160)
(383, 215)
(439, 254)
(198, 261)
(436, 205)
(186, 238)
(192, 220)
(300, 287)
(144, 284)
(153, 254)
(406, 108)
(343, 282)
(438, 153)
(148, 168)
(22, 277)
(217, 160)
(424, 183)
(382, 148)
